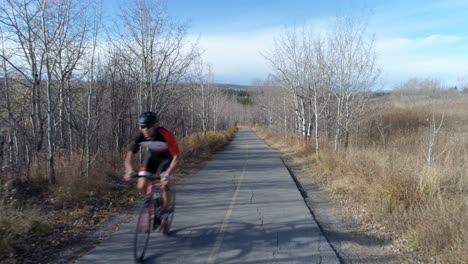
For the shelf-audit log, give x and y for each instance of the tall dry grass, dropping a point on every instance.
(385, 174)
(16, 226)
(199, 144)
(32, 211)
(36, 218)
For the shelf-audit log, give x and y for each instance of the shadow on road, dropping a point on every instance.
(243, 201)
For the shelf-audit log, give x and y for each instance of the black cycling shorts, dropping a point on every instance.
(153, 162)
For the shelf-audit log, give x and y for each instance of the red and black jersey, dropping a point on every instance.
(164, 143)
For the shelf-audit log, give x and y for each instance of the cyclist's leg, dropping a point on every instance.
(166, 186)
(165, 189)
(151, 164)
(141, 185)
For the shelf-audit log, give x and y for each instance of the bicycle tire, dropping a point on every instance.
(142, 231)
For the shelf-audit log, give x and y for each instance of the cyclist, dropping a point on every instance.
(163, 147)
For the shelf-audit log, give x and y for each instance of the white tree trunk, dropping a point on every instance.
(338, 124)
(317, 147)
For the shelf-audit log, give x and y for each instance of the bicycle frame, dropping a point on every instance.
(150, 190)
(148, 213)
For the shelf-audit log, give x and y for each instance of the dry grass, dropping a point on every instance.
(37, 218)
(390, 180)
(15, 228)
(199, 144)
(76, 202)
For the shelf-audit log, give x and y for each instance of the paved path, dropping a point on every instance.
(243, 207)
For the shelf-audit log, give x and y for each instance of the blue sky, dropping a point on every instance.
(423, 39)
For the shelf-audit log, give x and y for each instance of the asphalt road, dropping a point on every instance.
(243, 207)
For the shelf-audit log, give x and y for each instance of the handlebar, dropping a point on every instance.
(145, 174)
(151, 176)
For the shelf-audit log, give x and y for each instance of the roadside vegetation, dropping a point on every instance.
(37, 218)
(405, 173)
(70, 97)
(395, 159)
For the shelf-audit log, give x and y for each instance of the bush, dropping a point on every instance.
(17, 228)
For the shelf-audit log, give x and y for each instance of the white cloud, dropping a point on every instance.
(407, 43)
(239, 55)
(441, 39)
(434, 56)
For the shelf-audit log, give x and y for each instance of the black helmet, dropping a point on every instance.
(148, 118)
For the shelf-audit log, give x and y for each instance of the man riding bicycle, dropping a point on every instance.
(163, 148)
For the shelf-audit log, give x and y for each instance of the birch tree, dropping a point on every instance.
(354, 69)
(6, 135)
(70, 52)
(289, 61)
(319, 82)
(91, 127)
(162, 50)
(202, 82)
(20, 20)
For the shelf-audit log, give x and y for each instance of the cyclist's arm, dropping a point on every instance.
(173, 165)
(173, 149)
(128, 161)
(134, 148)
(128, 165)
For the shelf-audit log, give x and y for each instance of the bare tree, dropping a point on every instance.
(318, 72)
(217, 107)
(160, 47)
(7, 94)
(301, 65)
(70, 51)
(20, 20)
(49, 36)
(319, 83)
(62, 85)
(354, 69)
(90, 128)
(433, 133)
(203, 76)
(55, 21)
(289, 60)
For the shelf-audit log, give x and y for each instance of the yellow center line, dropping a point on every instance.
(220, 237)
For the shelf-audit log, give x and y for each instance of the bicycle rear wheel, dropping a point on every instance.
(143, 230)
(167, 223)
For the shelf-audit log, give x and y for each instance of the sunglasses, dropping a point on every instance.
(146, 126)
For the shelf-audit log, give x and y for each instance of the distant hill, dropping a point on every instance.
(242, 93)
(236, 87)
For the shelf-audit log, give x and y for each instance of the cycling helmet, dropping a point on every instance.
(148, 118)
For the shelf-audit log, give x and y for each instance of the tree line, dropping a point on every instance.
(72, 89)
(320, 83)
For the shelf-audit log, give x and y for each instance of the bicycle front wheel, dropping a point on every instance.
(143, 230)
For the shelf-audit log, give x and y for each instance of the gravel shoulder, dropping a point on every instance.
(353, 242)
(94, 236)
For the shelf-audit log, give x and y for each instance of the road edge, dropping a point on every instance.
(308, 203)
(332, 225)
